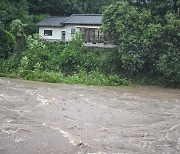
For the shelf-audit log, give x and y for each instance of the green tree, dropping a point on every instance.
(17, 29)
(7, 43)
(147, 44)
(160, 7)
(71, 56)
(125, 24)
(11, 10)
(67, 7)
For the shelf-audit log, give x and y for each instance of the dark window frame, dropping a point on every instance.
(47, 32)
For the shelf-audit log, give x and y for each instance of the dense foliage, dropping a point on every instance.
(7, 43)
(147, 33)
(149, 40)
(67, 7)
(58, 62)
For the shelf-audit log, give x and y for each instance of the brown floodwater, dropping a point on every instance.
(44, 118)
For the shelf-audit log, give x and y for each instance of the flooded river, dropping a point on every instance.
(42, 118)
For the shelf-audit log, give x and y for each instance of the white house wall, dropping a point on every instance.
(68, 28)
(57, 32)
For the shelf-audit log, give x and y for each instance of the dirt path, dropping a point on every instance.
(58, 119)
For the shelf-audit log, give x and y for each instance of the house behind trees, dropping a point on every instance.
(64, 28)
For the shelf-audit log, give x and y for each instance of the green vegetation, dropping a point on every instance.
(149, 39)
(67, 63)
(147, 33)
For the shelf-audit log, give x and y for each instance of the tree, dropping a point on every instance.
(11, 10)
(17, 29)
(7, 43)
(158, 7)
(125, 24)
(148, 44)
(67, 7)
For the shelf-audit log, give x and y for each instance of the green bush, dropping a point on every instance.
(44, 76)
(148, 44)
(169, 67)
(9, 65)
(36, 56)
(97, 78)
(7, 43)
(71, 56)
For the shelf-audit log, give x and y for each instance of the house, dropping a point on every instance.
(64, 28)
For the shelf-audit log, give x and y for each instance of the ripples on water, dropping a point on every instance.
(58, 118)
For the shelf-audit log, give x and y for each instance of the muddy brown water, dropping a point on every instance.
(47, 118)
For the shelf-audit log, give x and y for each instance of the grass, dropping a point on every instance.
(91, 78)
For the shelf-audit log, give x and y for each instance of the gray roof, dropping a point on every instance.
(52, 21)
(85, 19)
(80, 19)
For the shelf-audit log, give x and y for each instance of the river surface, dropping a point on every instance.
(43, 118)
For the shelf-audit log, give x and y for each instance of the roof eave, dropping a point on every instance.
(82, 24)
(49, 25)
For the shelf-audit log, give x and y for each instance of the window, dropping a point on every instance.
(63, 32)
(63, 36)
(73, 30)
(47, 32)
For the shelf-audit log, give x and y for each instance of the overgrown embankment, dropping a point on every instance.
(64, 63)
(74, 63)
(147, 34)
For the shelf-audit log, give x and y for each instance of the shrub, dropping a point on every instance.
(71, 56)
(97, 78)
(7, 44)
(44, 76)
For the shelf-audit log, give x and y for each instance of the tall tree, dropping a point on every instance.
(67, 7)
(158, 7)
(7, 43)
(11, 10)
(148, 39)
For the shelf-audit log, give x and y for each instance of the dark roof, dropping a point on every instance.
(87, 19)
(81, 19)
(52, 21)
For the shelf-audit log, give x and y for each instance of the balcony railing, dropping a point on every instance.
(98, 39)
